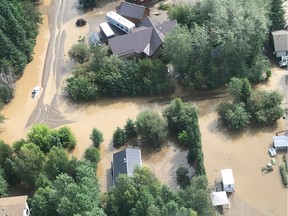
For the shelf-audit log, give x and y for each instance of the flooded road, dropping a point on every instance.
(245, 152)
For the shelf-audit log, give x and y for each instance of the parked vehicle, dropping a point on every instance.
(35, 92)
(272, 152)
(284, 61)
(95, 39)
(106, 29)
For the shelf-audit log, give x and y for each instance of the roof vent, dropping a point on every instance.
(124, 160)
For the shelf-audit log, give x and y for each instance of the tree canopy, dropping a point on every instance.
(104, 75)
(142, 195)
(223, 39)
(151, 127)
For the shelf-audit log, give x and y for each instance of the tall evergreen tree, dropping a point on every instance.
(277, 15)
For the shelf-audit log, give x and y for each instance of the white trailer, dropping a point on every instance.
(106, 29)
(228, 180)
(120, 22)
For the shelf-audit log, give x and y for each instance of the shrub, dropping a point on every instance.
(96, 137)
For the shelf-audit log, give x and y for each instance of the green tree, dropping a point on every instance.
(217, 48)
(130, 129)
(87, 3)
(56, 163)
(79, 52)
(277, 15)
(81, 88)
(42, 204)
(41, 135)
(197, 196)
(233, 116)
(66, 138)
(2, 118)
(240, 89)
(18, 144)
(182, 177)
(6, 93)
(92, 154)
(3, 184)
(96, 137)
(265, 107)
(151, 127)
(119, 138)
(29, 163)
(79, 196)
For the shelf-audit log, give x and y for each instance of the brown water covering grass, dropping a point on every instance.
(244, 152)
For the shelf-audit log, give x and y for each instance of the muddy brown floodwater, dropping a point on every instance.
(245, 152)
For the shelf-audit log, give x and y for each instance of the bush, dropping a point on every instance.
(96, 137)
(92, 154)
(119, 138)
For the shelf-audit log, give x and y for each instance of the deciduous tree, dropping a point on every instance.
(151, 127)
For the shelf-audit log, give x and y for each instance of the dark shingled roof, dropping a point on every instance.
(125, 162)
(145, 39)
(132, 10)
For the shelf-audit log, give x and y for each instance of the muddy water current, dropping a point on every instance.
(244, 152)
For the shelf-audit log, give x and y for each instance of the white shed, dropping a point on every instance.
(228, 180)
(220, 199)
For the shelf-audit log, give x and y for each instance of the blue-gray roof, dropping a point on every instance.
(125, 161)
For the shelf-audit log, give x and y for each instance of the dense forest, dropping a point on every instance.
(19, 20)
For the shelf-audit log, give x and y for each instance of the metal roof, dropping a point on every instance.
(125, 161)
(280, 39)
(280, 141)
(227, 177)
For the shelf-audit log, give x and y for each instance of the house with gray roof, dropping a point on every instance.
(146, 40)
(125, 161)
(14, 206)
(133, 12)
(280, 39)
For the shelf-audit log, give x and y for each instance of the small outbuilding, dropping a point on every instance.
(280, 40)
(124, 162)
(280, 142)
(220, 199)
(227, 180)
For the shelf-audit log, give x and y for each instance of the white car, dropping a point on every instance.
(35, 92)
(272, 152)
